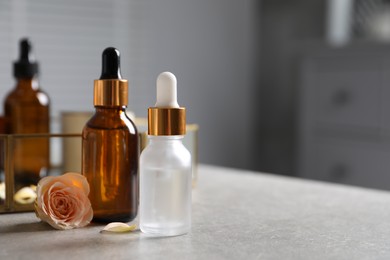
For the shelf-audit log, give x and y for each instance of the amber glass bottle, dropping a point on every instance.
(110, 147)
(26, 111)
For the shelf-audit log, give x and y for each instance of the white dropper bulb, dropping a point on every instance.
(166, 90)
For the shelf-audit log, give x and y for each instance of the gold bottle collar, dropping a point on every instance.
(166, 121)
(110, 92)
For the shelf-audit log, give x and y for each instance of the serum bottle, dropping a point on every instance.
(165, 166)
(26, 110)
(110, 147)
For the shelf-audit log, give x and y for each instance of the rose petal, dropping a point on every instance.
(33, 187)
(118, 227)
(77, 180)
(25, 195)
(2, 190)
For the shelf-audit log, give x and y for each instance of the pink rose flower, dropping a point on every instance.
(63, 201)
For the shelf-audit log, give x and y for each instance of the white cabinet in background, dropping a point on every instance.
(344, 117)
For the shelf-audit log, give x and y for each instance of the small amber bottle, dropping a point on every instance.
(110, 147)
(26, 110)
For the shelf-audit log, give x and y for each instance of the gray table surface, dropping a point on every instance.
(236, 215)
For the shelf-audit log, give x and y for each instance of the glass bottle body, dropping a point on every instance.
(165, 187)
(26, 110)
(110, 164)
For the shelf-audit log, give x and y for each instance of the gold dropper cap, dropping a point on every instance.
(166, 121)
(166, 117)
(110, 89)
(108, 92)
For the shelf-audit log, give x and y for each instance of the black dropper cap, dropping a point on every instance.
(111, 64)
(26, 66)
(110, 90)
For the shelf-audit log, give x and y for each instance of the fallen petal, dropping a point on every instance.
(33, 187)
(25, 195)
(2, 190)
(118, 227)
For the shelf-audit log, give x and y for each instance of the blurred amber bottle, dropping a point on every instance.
(110, 147)
(26, 111)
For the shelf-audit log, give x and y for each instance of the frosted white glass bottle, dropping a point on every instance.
(165, 167)
(165, 187)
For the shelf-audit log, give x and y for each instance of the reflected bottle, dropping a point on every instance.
(110, 147)
(26, 111)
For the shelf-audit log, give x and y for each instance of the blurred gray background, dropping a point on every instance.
(209, 45)
(289, 87)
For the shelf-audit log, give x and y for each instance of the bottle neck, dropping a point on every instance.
(110, 109)
(165, 138)
(28, 83)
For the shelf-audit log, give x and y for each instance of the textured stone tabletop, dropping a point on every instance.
(236, 215)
